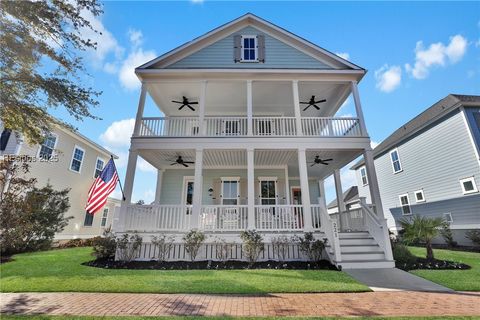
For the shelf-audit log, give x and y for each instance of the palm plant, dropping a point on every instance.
(423, 229)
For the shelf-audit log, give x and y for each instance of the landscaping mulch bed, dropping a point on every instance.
(210, 265)
(423, 263)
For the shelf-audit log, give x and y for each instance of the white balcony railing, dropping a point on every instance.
(147, 218)
(331, 127)
(224, 217)
(279, 217)
(238, 127)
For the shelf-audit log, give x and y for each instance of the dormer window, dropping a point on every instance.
(249, 49)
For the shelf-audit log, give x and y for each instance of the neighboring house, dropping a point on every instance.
(66, 159)
(431, 166)
(350, 198)
(240, 147)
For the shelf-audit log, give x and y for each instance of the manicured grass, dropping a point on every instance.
(459, 280)
(61, 270)
(217, 318)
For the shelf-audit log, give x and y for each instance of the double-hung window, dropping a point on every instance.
(363, 174)
(396, 165)
(88, 222)
(230, 191)
(47, 147)
(77, 159)
(104, 217)
(249, 49)
(98, 167)
(405, 204)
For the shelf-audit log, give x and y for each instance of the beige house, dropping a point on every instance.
(66, 159)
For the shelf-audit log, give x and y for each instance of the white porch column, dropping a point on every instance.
(130, 175)
(201, 108)
(287, 187)
(197, 189)
(296, 105)
(339, 193)
(302, 169)
(251, 188)
(141, 107)
(249, 108)
(373, 183)
(158, 190)
(358, 108)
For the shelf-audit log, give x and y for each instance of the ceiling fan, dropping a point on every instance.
(182, 162)
(317, 160)
(313, 103)
(185, 103)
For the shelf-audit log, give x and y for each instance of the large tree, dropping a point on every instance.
(41, 65)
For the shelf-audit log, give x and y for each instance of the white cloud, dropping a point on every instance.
(126, 75)
(437, 54)
(144, 166)
(388, 78)
(147, 196)
(344, 55)
(118, 133)
(135, 37)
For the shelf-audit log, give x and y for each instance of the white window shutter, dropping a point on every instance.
(237, 47)
(261, 47)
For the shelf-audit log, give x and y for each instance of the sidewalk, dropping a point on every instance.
(310, 304)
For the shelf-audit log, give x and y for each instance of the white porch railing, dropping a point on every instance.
(279, 217)
(316, 216)
(274, 126)
(351, 220)
(331, 127)
(223, 218)
(145, 218)
(238, 127)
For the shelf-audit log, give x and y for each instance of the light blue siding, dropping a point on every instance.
(278, 55)
(313, 188)
(434, 161)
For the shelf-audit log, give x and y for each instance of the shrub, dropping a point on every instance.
(104, 247)
(193, 241)
(164, 245)
(403, 256)
(280, 245)
(312, 248)
(252, 245)
(29, 216)
(447, 235)
(127, 247)
(474, 236)
(222, 249)
(419, 228)
(76, 243)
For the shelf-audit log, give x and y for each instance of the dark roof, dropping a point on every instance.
(435, 112)
(350, 195)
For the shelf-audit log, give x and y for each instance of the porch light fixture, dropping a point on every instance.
(210, 191)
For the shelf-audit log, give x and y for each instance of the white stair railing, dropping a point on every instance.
(224, 218)
(330, 227)
(150, 218)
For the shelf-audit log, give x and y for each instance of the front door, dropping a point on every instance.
(297, 200)
(230, 191)
(268, 192)
(188, 194)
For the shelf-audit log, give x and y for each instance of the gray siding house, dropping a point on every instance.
(430, 166)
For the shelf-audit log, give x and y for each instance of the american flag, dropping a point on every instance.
(102, 187)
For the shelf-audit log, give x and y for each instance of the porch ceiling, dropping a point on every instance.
(213, 159)
(230, 97)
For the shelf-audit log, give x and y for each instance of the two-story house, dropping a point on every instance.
(65, 159)
(246, 138)
(431, 166)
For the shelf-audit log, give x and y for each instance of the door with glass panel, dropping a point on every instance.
(188, 195)
(229, 215)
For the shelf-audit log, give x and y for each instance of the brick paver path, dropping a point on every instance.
(314, 304)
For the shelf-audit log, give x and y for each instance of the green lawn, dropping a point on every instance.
(61, 270)
(216, 318)
(460, 280)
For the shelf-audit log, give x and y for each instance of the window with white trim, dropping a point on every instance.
(47, 147)
(448, 217)
(104, 217)
(98, 167)
(468, 185)
(405, 204)
(268, 190)
(88, 222)
(396, 165)
(230, 191)
(249, 49)
(77, 159)
(363, 174)
(419, 196)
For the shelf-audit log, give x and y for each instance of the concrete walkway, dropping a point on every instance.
(274, 305)
(394, 279)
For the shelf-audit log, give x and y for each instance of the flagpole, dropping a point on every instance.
(119, 180)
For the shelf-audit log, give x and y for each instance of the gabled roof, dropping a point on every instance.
(232, 26)
(349, 196)
(427, 117)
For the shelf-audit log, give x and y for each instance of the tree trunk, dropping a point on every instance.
(428, 245)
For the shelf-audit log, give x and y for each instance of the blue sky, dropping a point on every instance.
(415, 53)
